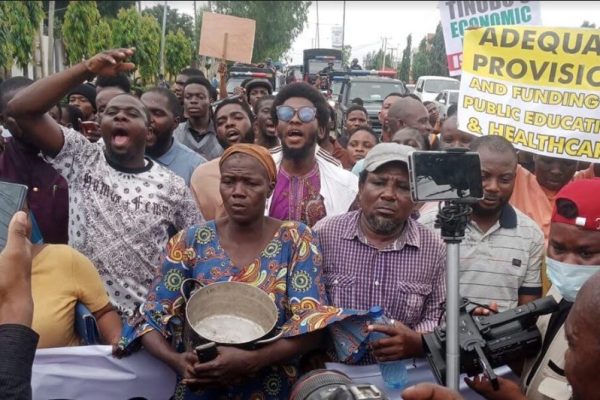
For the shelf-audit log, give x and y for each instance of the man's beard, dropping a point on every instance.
(381, 225)
(248, 137)
(301, 153)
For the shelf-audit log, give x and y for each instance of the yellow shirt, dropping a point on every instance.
(60, 277)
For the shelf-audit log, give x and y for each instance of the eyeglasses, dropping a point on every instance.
(305, 114)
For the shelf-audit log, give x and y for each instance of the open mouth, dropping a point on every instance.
(119, 137)
(270, 127)
(233, 136)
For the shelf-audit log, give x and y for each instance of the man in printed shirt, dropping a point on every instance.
(378, 255)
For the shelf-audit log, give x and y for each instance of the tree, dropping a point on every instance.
(23, 19)
(175, 20)
(420, 66)
(438, 58)
(82, 18)
(278, 23)
(102, 36)
(373, 60)
(587, 24)
(142, 32)
(404, 72)
(6, 44)
(178, 52)
(346, 54)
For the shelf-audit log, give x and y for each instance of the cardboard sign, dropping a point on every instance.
(538, 87)
(227, 37)
(457, 16)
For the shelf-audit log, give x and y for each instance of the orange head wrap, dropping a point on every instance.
(253, 150)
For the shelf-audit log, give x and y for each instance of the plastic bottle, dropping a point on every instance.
(393, 372)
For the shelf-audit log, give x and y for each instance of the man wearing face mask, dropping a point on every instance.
(573, 257)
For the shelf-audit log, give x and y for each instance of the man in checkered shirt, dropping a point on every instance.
(378, 255)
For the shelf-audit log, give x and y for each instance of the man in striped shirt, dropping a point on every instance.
(378, 255)
(503, 249)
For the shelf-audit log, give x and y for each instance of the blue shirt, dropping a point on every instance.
(181, 160)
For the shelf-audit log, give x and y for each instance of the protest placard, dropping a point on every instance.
(538, 87)
(457, 16)
(227, 37)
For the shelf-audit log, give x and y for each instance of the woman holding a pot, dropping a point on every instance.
(281, 258)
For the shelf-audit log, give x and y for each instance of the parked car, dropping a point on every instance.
(444, 100)
(428, 87)
(410, 87)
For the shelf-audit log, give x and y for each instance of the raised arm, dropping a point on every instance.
(30, 105)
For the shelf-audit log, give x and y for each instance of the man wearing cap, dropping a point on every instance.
(503, 249)
(573, 257)
(256, 89)
(378, 255)
(83, 96)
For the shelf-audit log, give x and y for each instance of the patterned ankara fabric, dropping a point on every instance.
(288, 269)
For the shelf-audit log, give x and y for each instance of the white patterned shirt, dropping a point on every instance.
(121, 219)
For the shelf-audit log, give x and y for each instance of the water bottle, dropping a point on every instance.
(393, 372)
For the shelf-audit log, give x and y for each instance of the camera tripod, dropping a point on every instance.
(452, 218)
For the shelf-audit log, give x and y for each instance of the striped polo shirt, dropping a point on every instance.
(502, 263)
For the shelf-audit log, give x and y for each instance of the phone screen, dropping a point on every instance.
(12, 198)
(441, 176)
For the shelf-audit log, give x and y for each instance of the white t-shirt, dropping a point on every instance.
(121, 219)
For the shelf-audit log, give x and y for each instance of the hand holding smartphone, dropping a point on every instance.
(12, 199)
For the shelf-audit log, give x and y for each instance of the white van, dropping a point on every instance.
(428, 87)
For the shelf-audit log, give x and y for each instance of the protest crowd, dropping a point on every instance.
(131, 195)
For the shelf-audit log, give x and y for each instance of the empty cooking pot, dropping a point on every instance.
(228, 313)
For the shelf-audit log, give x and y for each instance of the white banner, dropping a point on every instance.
(91, 373)
(457, 16)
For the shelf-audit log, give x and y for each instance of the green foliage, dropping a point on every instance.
(346, 55)
(131, 29)
(178, 52)
(20, 24)
(439, 61)
(102, 37)
(175, 21)
(404, 72)
(588, 24)
(431, 58)
(81, 19)
(420, 66)
(278, 23)
(6, 44)
(373, 60)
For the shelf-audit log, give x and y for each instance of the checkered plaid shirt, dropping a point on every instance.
(407, 278)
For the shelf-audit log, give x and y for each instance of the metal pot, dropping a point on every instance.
(228, 313)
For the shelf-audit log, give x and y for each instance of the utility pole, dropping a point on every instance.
(50, 60)
(383, 53)
(318, 41)
(343, 33)
(162, 40)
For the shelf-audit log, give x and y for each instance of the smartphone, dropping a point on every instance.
(207, 352)
(12, 199)
(445, 176)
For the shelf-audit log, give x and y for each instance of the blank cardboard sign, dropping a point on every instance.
(224, 36)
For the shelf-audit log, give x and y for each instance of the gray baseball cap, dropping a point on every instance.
(384, 153)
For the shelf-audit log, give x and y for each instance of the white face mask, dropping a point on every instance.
(569, 278)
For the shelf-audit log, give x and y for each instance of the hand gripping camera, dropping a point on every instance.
(487, 342)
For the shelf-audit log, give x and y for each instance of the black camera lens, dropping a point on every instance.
(316, 384)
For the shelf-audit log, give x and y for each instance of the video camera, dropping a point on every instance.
(487, 342)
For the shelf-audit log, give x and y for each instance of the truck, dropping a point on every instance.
(428, 87)
(371, 87)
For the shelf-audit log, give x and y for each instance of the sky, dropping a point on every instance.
(368, 22)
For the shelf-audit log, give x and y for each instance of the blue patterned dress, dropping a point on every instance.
(288, 269)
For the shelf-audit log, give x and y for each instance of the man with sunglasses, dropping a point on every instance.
(309, 186)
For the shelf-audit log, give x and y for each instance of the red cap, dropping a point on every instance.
(585, 194)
